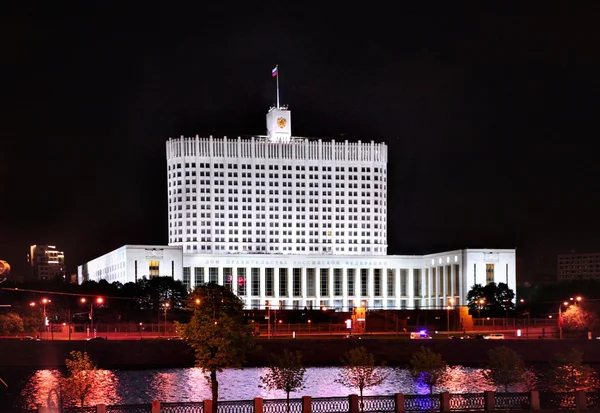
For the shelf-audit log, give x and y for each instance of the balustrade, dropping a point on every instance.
(397, 403)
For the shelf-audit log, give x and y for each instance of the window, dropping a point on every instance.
(324, 282)
(186, 278)
(377, 282)
(455, 268)
(364, 282)
(391, 282)
(351, 272)
(213, 275)
(228, 277)
(269, 281)
(255, 281)
(283, 283)
(417, 282)
(241, 281)
(297, 284)
(337, 282)
(489, 273)
(154, 269)
(403, 282)
(311, 282)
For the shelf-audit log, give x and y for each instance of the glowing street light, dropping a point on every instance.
(481, 302)
(165, 308)
(99, 300)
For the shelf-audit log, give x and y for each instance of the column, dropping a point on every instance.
(370, 289)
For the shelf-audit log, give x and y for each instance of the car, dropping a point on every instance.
(95, 338)
(494, 336)
(420, 335)
(29, 338)
(478, 337)
(351, 337)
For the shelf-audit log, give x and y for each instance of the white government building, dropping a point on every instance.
(294, 222)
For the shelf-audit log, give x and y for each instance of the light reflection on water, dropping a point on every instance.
(190, 384)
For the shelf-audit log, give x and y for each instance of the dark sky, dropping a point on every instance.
(488, 114)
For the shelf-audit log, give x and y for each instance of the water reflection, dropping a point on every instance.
(43, 386)
(190, 384)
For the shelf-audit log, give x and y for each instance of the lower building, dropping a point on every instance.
(431, 281)
(579, 266)
(47, 262)
(131, 263)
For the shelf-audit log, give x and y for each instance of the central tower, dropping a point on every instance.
(279, 125)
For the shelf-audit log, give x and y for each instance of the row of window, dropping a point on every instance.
(444, 281)
(276, 167)
(278, 249)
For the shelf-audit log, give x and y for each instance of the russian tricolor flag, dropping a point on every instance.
(274, 72)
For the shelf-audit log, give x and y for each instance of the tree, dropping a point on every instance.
(218, 332)
(428, 367)
(505, 367)
(498, 298)
(285, 373)
(359, 371)
(11, 323)
(569, 374)
(81, 378)
(576, 317)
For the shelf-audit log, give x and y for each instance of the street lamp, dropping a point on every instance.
(450, 302)
(44, 302)
(268, 320)
(448, 320)
(165, 308)
(99, 300)
(481, 302)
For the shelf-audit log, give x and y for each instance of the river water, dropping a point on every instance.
(27, 389)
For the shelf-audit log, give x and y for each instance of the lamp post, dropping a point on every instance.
(99, 300)
(165, 308)
(481, 301)
(448, 320)
(448, 308)
(44, 302)
(268, 320)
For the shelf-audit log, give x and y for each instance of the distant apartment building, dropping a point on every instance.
(47, 263)
(577, 266)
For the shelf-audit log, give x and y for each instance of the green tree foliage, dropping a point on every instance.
(11, 324)
(498, 298)
(153, 292)
(360, 372)
(82, 376)
(218, 332)
(577, 317)
(285, 373)
(568, 373)
(505, 368)
(428, 367)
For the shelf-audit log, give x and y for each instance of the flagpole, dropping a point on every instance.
(277, 76)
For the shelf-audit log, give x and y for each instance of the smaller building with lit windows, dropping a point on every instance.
(47, 262)
(131, 263)
(578, 266)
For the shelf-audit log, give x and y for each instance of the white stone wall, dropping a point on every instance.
(445, 278)
(296, 197)
(132, 262)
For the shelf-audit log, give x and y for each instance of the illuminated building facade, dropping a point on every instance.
(46, 262)
(297, 222)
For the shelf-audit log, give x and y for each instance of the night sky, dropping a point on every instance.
(488, 115)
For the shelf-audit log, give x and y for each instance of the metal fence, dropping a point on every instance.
(369, 404)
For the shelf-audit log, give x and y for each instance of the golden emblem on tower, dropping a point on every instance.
(281, 121)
